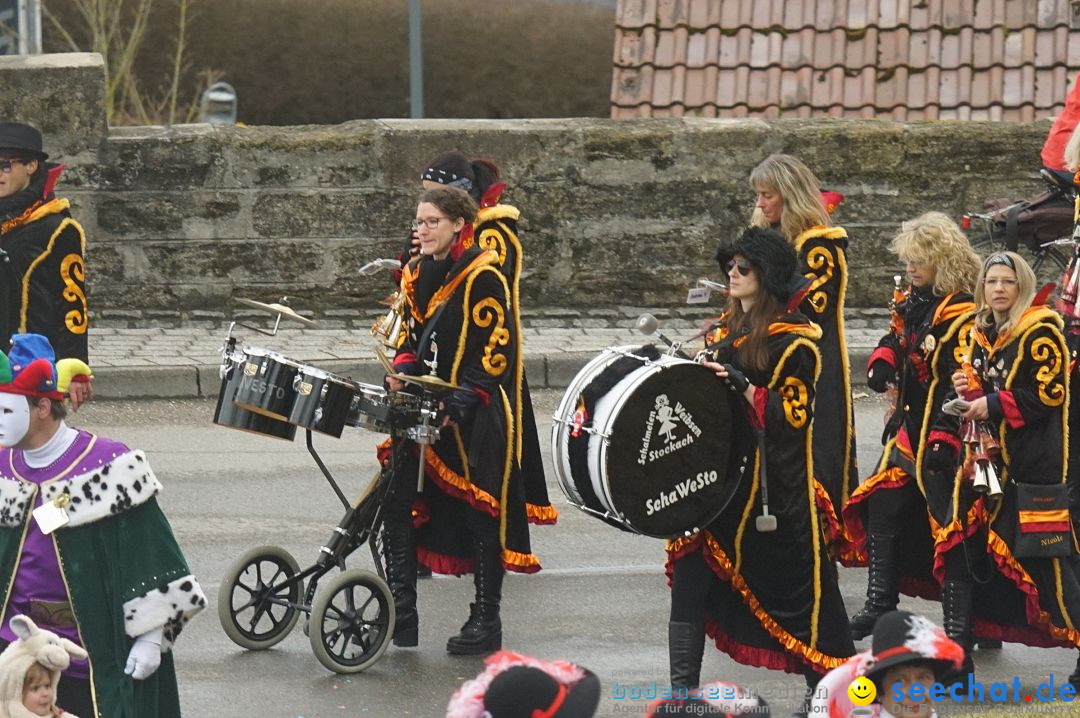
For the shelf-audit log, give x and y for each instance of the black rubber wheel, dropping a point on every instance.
(352, 621)
(1048, 263)
(255, 606)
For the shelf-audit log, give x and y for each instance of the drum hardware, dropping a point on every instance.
(279, 309)
(424, 434)
(648, 325)
(587, 429)
(766, 522)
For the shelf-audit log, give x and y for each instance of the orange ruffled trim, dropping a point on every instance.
(520, 562)
(839, 541)
(1037, 618)
(723, 568)
(893, 477)
(950, 536)
(541, 515)
(452, 483)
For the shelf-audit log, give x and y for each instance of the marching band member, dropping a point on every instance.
(471, 512)
(789, 200)
(767, 597)
(1008, 526)
(887, 514)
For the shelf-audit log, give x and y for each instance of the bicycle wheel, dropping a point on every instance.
(352, 621)
(258, 604)
(1047, 262)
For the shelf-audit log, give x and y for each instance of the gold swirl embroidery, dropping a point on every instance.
(962, 350)
(820, 260)
(72, 273)
(1049, 375)
(795, 398)
(493, 239)
(486, 311)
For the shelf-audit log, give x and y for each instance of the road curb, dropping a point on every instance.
(550, 371)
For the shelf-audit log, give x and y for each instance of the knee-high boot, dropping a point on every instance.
(686, 644)
(400, 555)
(882, 586)
(1074, 679)
(482, 633)
(958, 617)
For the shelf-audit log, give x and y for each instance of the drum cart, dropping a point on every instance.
(349, 620)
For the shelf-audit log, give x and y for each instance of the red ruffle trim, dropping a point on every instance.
(754, 655)
(837, 538)
(893, 477)
(920, 588)
(444, 563)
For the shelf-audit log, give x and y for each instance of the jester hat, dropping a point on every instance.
(30, 368)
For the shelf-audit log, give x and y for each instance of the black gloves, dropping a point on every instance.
(460, 406)
(879, 375)
(736, 380)
(940, 456)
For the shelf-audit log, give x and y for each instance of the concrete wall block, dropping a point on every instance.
(330, 214)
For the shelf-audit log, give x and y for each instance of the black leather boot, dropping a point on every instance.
(400, 556)
(1074, 679)
(482, 633)
(882, 586)
(686, 644)
(958, 619)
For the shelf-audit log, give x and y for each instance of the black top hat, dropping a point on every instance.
(771, 256)
(520, 690)
(901, 637)
(21, 139)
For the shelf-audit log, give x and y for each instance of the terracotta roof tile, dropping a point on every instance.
(901, 59)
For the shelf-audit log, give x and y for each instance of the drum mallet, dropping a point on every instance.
(648, 325)
(766, 522)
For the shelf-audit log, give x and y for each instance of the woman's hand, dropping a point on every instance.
(978, 410)
(960, 383)
(722, 372)
(80, 392)
(394, 384)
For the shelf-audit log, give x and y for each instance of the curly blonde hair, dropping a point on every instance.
(934, 239)
(799, 189)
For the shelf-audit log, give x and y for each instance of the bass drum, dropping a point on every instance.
(641, 440)
(227, 413)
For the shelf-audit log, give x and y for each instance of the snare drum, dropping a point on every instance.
(266, 384)
(227, 413)
(322, 401)
(641, 440)
(376, 409)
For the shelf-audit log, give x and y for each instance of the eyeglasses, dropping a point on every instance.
(6, 165)
(430, 222)
(742, 265)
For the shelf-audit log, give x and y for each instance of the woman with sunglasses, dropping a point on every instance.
(887, 514)
(768, 597)
(789, 200)
(1008, 563)
(471, 513)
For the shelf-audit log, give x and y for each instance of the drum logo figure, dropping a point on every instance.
(669, 417)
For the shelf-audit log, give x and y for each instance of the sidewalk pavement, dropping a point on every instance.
(183, 362)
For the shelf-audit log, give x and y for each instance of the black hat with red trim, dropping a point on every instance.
(901, 637)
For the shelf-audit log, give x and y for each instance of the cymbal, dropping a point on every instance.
(428, 380)
(275, 308)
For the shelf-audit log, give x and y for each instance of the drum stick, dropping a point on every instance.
(766, 522)
(647, 324)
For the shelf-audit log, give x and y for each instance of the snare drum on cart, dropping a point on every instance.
(641, 440)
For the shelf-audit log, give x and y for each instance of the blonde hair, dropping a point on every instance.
(935, 239)
(799, 189)
(1025, 285)
(34, 674)
(1071, 156)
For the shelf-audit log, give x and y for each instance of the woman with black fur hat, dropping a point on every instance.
(767, 595)
(789, 200)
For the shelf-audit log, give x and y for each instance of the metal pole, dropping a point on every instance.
(416, 66)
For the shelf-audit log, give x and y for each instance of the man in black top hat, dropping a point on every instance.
(42, 271)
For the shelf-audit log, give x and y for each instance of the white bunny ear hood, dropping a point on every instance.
(34, 645)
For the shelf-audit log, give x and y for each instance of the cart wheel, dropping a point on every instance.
(352, 621)
(257, 606)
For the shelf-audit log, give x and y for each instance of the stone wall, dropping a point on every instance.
(186, 219)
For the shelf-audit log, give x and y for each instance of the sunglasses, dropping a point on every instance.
(6, 165)
(742, 265)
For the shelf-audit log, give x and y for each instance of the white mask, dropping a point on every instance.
(14, 419)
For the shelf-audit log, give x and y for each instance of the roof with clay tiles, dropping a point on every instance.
(897, 59)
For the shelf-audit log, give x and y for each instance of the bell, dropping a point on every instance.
(387, 329)
(992, 484)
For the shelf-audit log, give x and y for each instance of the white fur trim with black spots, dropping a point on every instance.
(15, 500)
(123, 483)
(168, 607)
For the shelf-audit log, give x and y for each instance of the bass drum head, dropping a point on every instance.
(665, 464)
